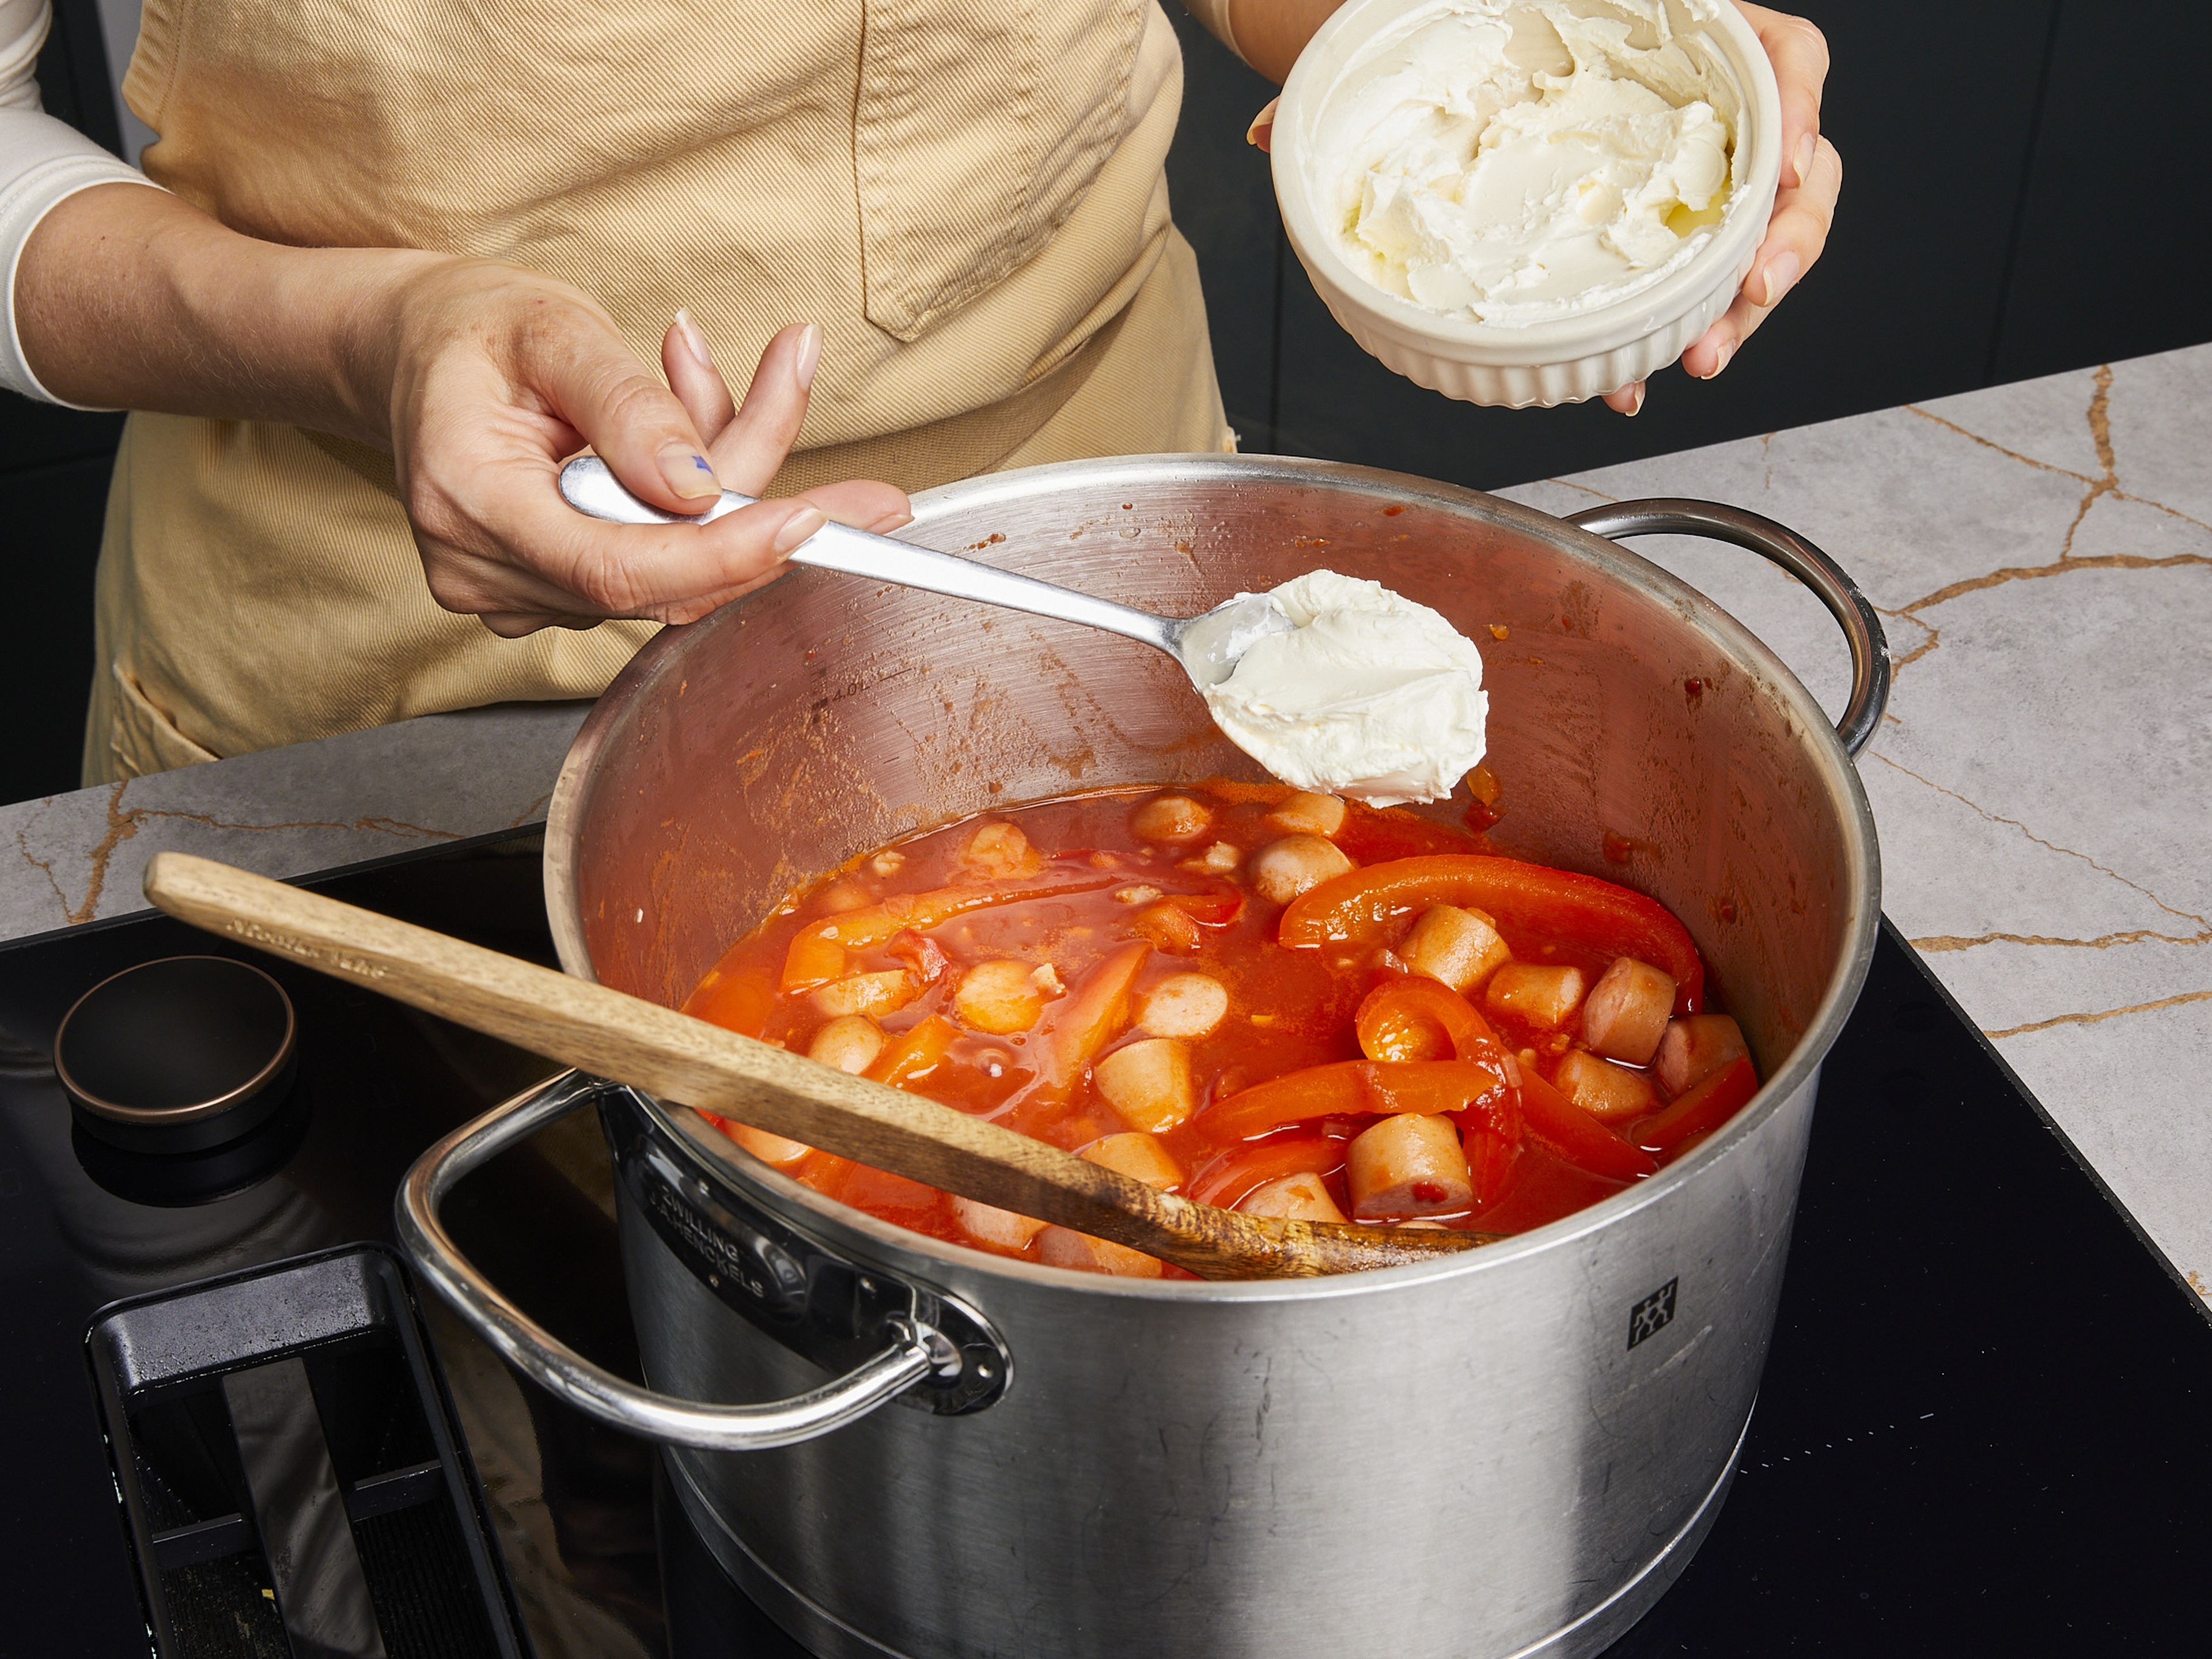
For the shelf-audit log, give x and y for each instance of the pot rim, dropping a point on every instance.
(925, 1257)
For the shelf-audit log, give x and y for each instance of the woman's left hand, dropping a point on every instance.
(1804, 207)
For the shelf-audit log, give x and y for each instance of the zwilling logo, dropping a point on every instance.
(1653, 1314)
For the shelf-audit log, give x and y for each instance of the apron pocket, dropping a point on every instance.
(978, 127)
(141, 737)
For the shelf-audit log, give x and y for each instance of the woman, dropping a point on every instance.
(410, 255)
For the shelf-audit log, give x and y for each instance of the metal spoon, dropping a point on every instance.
(1207, 646)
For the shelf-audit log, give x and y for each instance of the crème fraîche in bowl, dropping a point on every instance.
(1528, 201)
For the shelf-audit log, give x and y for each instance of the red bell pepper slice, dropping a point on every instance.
(1489, 1159)
(1216, 907)
(816, 953)
(1357, 907)
(1075, 1030)
(744, 1001)
(913, 1054)
(1078, 1028)
(1230, 1177)
(1414, 1019)
(921, 953)
(880, 1192)
(1699, 1109)
(1564, 1129)
(1430, 1087)
(1405, 1019)
(908, 1202)
(1293, 1097)
(1167, 929)
(1173, 922)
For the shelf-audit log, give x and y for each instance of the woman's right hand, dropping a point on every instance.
(497, 376)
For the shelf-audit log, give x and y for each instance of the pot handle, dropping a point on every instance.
(1780, 544)
(915, 1351)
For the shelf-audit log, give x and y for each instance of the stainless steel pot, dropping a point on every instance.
(1512, 1452)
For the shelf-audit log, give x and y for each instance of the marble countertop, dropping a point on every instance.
(2041, 555)
(2042, 558)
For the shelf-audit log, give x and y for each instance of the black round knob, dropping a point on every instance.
(177, 1056)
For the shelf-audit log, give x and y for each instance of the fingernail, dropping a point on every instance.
(1782, 274)
(694, 340)
(1261, 122)
(797, 527)
(892, 521)
(1727, 351)
(1636, 407)
(688, 473)
(1806, 147)
(810, 357)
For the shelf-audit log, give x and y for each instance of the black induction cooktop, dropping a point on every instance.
(1986, 1426)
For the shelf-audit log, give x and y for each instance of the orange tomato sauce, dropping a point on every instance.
(1003, 965)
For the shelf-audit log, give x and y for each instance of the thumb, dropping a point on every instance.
(1261, 135)
(634, 422)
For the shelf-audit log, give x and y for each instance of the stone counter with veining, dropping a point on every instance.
(2042, 558)
(346, 800)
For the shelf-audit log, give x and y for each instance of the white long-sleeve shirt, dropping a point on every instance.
(43, 162)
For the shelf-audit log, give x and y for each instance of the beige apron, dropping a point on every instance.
(966, 195)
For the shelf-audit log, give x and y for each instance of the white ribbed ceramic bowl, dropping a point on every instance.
(1557, 361)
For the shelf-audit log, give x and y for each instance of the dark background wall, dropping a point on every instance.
(2014, 203)
(2018, 200)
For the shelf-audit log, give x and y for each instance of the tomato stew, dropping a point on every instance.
(1276, 1001)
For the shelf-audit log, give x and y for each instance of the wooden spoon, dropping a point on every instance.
(677, 1058)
